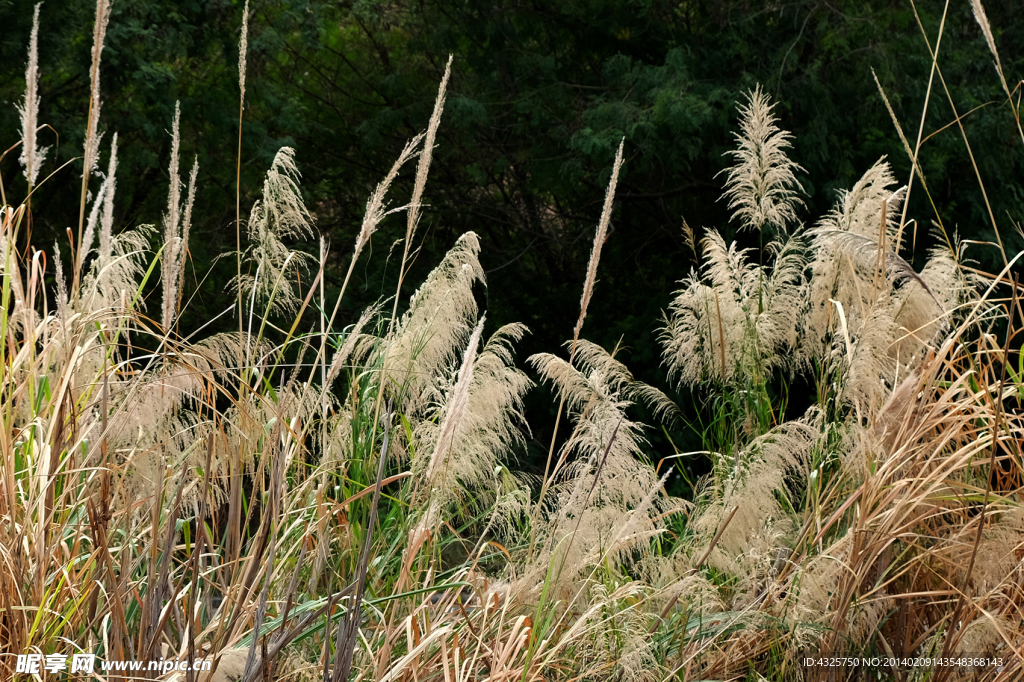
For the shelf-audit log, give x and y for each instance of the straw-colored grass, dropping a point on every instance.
(323, 498)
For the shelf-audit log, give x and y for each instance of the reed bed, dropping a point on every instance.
(311, 497)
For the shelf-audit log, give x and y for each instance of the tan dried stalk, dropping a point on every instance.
(934, 54)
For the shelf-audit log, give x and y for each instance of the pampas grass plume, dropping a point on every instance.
(90, 225)
(599, 239)
(986, 30)
(375, 206)
(171, 219)
(243, 50)
(92, 139)
(423, 169)
(762, 188)
(186, 225)
(457, 405)
(107, 220)
(32, 157)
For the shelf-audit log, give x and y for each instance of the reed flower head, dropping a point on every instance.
(871, 316)
(32, 156)
(90, 225)
(762, 188)
(472, 428)
(280, 215)
(176, 228)
(423, 168)
(107, 219)
(441, 316)
(243, 50)
(600, 237)
(376, 209)
(92, 136)
(739, 319)
(608, 492)
(755, 483)
(986, 30)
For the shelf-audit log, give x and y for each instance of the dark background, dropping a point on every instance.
(540, 95)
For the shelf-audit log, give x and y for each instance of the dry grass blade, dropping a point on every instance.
(960, 125)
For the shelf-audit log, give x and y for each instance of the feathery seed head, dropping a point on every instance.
(63, 307)
(608, 487)
(860, 286)
(472, 429)
(423, 168)
(739, 318)
(689, 238)
(753, 482)
(762, 188)
(986, 30)
(172, 237)
(32, 157)
(440, 318)
(284, 211)
(599, 239)
(243, 48)
(281, 214)
(345, 352)
(94, 218)
(456, 406)
(186, 224)
(107, 220)
(375, 207)
(174, 193)
(114, 276)
(92, 138)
